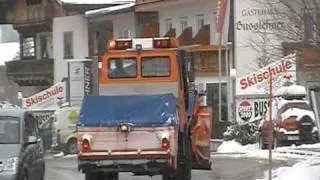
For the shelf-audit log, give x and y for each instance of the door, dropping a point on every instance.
(219, 122)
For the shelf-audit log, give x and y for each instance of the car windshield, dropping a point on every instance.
(9, 130)
(155, 66)
(122, 68)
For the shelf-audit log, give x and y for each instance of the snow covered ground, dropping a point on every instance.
(306, 168)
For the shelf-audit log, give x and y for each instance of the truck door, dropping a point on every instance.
(200, 117)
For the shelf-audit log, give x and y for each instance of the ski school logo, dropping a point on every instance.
(245, 110)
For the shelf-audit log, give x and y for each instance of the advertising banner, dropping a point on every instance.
(51, 98)
(80, 80)
(252, 89)
(257, 82)
(251, 108)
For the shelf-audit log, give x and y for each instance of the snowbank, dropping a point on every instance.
(306, 170)
(253, 151)
(235, 147)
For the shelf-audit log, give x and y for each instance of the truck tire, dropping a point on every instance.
(111, 176)
(90, 176)
(168, 176)
(72, 147)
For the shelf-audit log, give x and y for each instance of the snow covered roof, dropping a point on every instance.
(109, 9)
(97, 1)
(8, 51)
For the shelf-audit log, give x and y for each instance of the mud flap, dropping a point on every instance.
(201, 134)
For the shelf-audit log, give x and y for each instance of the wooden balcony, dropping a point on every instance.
(203, 36)
(171, 33)
(185, 37)
(31, 72)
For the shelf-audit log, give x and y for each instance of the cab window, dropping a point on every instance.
(155, 66)
(122, 68)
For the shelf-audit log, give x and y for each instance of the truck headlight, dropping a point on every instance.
(11, 164)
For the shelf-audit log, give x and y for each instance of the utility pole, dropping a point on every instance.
(270, 127)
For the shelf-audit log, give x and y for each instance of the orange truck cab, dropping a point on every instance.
(147, 118)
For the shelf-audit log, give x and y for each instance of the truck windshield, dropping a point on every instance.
(155, 66)
(122, 68)
(9, 130)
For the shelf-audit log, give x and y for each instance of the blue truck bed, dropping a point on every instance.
(139, 110)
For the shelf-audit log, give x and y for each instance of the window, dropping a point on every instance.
(68, 44)
(45, 41)
(28, 46)
(9, 130)
(200, 21)
(184, 23)
(155, 66)
(311, 25)
(168, 24)
(125, 33)
(122, 68)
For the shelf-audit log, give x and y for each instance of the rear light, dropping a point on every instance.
(290, 124)
(124, 128)
(85, 145)
(120, 44)
(164, 43)
(165, 143)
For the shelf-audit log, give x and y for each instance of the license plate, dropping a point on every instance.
(293, 138)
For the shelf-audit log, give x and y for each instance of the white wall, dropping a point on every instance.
(190, 10)
(255, 42)
(78, 25)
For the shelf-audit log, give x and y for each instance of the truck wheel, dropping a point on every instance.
(90, 176)
(169, 176)
(184, 172)
(72, 147)
(111, 176)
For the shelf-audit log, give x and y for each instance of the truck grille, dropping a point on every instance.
(305, 127)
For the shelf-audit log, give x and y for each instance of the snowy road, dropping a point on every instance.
(305, 160)
(224, 168)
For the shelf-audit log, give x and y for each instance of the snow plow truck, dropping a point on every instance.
(147, 118)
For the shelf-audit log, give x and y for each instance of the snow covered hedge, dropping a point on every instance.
(245, 133)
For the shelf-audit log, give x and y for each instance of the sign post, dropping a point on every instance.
(270, 127)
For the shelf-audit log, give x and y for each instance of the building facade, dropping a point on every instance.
(265, 32)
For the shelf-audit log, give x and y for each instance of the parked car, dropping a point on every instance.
(64, 128)
(21, 147)
(293, 122)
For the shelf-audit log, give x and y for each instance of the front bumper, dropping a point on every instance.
(144, 163)
(8, 176)
(297, 137)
